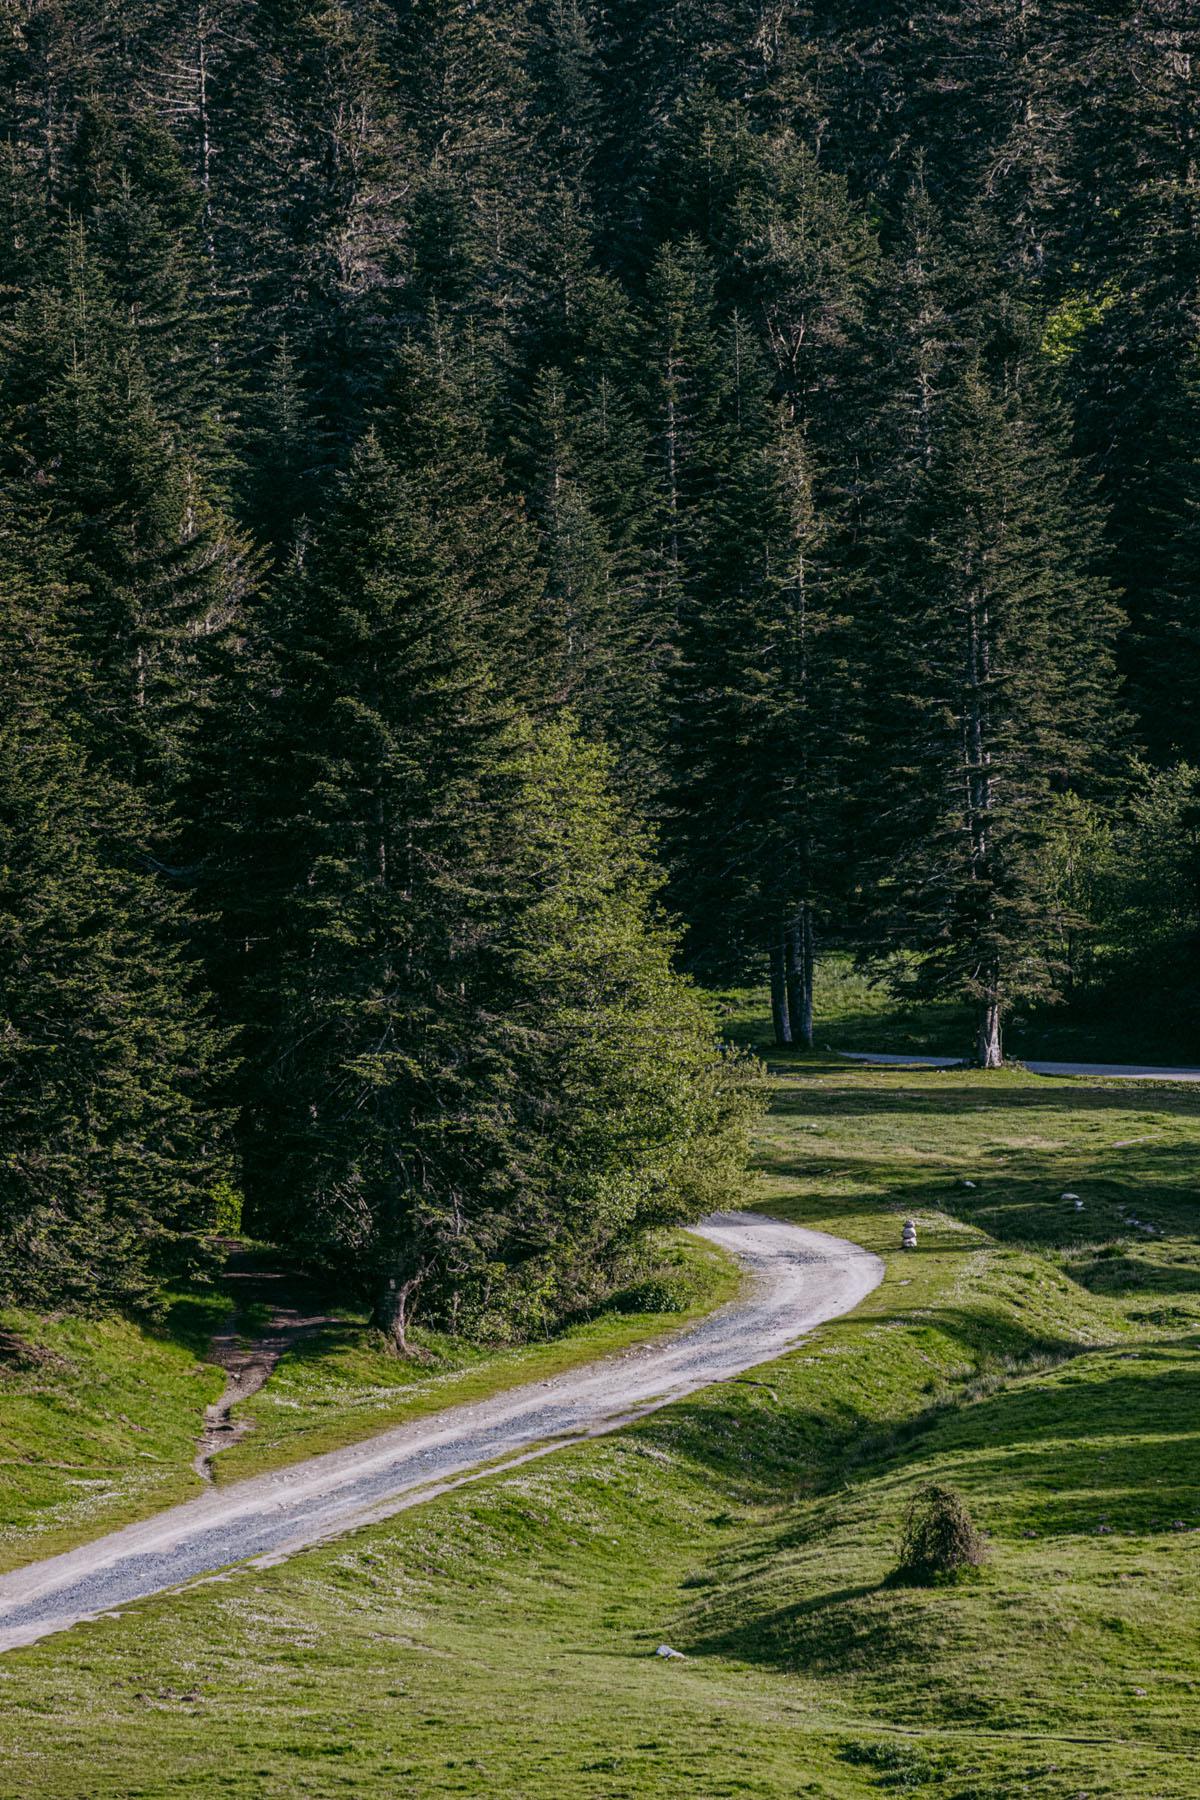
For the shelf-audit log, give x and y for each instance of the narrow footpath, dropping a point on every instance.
(248, 1352)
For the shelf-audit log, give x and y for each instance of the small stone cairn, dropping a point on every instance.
(908, 1235)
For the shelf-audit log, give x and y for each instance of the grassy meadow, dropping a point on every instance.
(500, 1640)
(99, 1418)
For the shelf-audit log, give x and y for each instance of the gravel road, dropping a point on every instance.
(799, 1278)
(1115, 1071)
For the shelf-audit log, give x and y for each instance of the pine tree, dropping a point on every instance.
(758, 710)
(141, 219)
(1006, 638)
(566, 98)
(421, 1096)
(600, 657)
(433, 425)
(364, 1138)
(160, 573)
(628, 1115)
(109, 1056)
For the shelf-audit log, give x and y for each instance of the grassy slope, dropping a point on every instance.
(497, 1641)
(103, 1430)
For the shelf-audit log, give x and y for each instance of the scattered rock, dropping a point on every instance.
(1070, 1197)
(966, 1184)
(1139, 1693)
(1104, 1531)
(666, 1651)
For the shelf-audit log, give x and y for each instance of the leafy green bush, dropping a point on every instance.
(657, 1294)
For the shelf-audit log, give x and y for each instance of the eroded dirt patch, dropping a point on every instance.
(273, 1310)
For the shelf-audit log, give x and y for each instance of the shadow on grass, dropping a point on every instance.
(1020, 1204)
(1085, 1451)
(944, 1098)
(764, 1452)
(1112, 1276)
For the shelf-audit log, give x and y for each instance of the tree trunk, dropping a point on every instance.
(393, 1310)
(989, 1051)
(799, 959)
(808, 964)
(780, 1016)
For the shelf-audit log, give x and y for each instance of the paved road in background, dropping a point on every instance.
(1118, 1071)
(799, 1279)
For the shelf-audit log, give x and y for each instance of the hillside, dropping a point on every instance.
(501, 1639)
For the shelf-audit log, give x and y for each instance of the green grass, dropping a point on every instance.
(341, 1385)
(103, 1429)
(854, 1012)
(498, 1641)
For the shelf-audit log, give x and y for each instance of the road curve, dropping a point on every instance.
(1104, 1071)
(799, 1279)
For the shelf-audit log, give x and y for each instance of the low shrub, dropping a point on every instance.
(939, 1542)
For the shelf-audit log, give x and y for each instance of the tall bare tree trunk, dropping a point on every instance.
(989, 1047)
(780, 1015)
(799, 960)
(808, 961)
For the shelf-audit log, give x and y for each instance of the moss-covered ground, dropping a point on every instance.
(499, 1641)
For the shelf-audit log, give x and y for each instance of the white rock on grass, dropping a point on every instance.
(665, 1650)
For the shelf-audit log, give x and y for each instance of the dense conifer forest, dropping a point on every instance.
(514, 514)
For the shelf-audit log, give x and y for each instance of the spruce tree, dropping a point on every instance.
(627, 1115)
(1004, 694)
(375, 1133)
(109, 1056)
(159, 571)
(759, 705)
(423, 1090)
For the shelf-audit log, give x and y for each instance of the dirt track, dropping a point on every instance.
(799, 1279)
(1101, 1071)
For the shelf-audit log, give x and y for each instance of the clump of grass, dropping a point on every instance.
(940, 1543)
